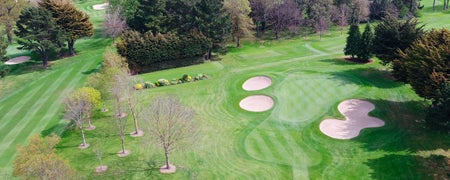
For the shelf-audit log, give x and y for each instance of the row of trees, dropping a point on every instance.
(144, 50)
(416, 57)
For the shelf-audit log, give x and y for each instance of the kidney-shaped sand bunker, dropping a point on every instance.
(257, 83)
(257, 103)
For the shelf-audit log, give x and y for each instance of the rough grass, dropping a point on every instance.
(309, 80)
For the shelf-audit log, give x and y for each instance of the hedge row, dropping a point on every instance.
(164, 82)
(144, 50)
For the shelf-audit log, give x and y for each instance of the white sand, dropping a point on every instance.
(357, 118)
(257, 103)
(100, 6)
(17, 60)
(257, 83)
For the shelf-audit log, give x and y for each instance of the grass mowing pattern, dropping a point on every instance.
(35, 106)
(309, 80)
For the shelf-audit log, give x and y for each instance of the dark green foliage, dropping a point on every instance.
(144, 50)
(3, 46)
(427, 63)
(353, 41)
(150, 15)
(438, 116)
(365, 46)
(72, 21)
(4, 70)
(38, 32)
(392, 34)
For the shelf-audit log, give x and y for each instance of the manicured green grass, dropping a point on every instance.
(309, 80)
(32, 99)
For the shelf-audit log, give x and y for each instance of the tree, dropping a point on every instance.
(39, 33)
(212, 21)
(3, 46)
(281, 15)
(72, 21)
(364, 53)
(151, 15)
(170, 124)
(341, 19)
(93, 99)
(241, 22)
(392, 35)
(359, 10)
(120, 119)
(114, 23)
(38, 160)
(321, 15)
(258, 15)
(76, 109)
(353, 41)
(9, 13)
(438, 115)
(427, 63)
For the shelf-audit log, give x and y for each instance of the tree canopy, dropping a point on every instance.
(241, 22)
(427, 62)
(9, 13)
(364, 53)
(72, 21)
(353, 41)
(38, 32)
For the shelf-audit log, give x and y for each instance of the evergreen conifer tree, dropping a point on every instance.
(364, 53)
(353, 41)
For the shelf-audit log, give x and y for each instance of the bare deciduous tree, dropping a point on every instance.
(98, 149)
(120, 118)
(77, 110)
(114, 22)
(283, 14)
(170, 123)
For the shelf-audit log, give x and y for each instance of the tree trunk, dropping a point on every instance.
(44, 59)
(238, 41)
(9, 34)
(70, 45)
(445, 4)
(133, 113)
(434, 5)
(82, 136)
(166, 154)
(122, 138)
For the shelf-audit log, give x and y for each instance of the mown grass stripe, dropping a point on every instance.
(38, 125)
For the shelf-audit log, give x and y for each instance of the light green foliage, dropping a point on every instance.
(92, 95)
(38, 160)
(9, 14)
(242, 24)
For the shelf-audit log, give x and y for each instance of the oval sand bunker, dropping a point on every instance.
(257, 103)
(257, 83)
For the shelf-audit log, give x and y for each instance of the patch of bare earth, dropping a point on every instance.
(100, 169)
(123, 153)
(139, 133)
(172, 169)
(83, 146)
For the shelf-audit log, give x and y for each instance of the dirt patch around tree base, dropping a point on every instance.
(100, 169)
(90, 128)
(357, 118)
(123, 154)
(139, 133)
(257, 103)
(83, 146)
(257, 83)
(164, 170)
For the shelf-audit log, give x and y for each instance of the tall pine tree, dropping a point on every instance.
(353, 41)
(364, 53)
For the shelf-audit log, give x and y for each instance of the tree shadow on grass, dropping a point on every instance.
(369, 77)
(402, 138)
(340, 62)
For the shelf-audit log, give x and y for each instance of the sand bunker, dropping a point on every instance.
(257, 83)
(357, 118)
(100, 6)
(17, 60)
(257, 103)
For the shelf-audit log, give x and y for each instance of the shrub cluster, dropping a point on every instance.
(164, 82)
(145, 50)
(4, 70)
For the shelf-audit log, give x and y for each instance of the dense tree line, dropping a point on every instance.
(46, 28)
(143, 50)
